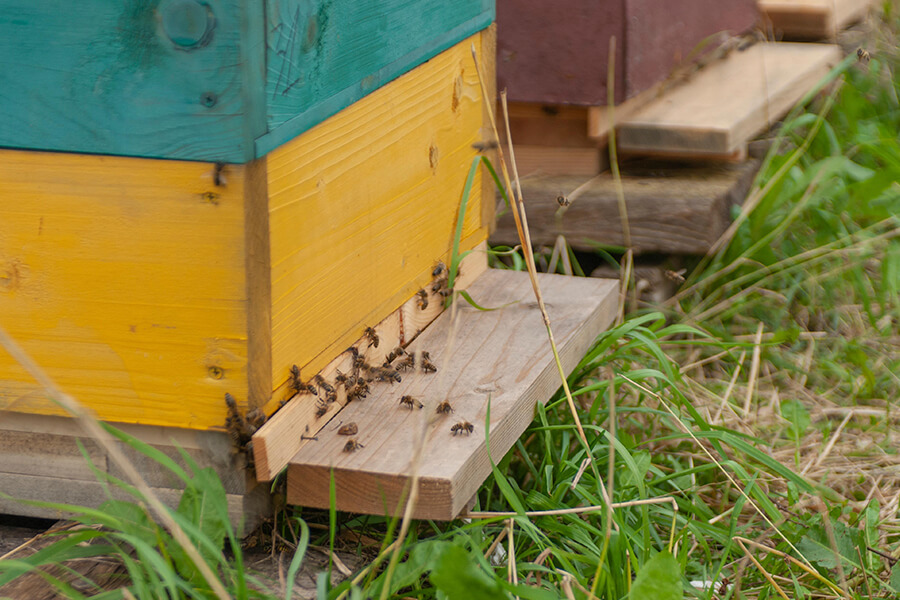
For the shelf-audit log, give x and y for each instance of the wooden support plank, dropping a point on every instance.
(40, 460)
(680, 210)
(719, 109)
(812, 19)
(125, 279)
(283, 435)
(362, 206)
(500, 356)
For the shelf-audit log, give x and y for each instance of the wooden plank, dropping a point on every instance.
(812, 19)
(502, 356)
(125, 279)
(259, 284)
(679, 210)
(108, 78)
(546, 160)
(47, 446)
(324, 56)
(280, 439)
(362, 206)
(718, 110)
(245, 512)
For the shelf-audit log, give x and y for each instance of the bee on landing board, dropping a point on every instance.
(352, 445)
(422, 299)
(372, 337)
(411, 402)
(330, 394)
(462, 427)
(348, 429)
(297, 384)
(444, 408)
(321, 408)
(395, 353)
(425, 362)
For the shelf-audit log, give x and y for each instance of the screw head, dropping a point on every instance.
(188, 24)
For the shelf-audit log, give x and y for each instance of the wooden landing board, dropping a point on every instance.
(718, 110)
(283, 435)
(812, 19)
(677, 210)
(502, 356)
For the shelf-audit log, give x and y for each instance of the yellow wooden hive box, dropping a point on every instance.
(148, 289)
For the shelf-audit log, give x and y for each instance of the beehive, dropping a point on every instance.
(242, 188)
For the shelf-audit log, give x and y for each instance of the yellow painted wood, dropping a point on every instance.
(125, 279)
(362, 206)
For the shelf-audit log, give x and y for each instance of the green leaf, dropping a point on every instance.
(894, 580)
(458, 576)
(798, 417)
(658, 579)
(816, 546)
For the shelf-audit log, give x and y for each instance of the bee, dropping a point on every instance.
(330, 394)
(407, 363)
(422, 299)
(358, 391)
(485, 145)
(373, 337)
(563, 200)
(218, 179)
(862, 55)
(348, 381)
(426, 364)
(462, 427)
(348, 429)
(385, 374)
(297, 384)
(352, 445)
(234, 422)
(440, 270)
(676, 276)
(321, 408)
(411, 402)
(396, 352)
(256, 418)
(444, 408)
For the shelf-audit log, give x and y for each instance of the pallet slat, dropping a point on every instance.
(502, 356)
(812, 19)
(718, 110)
(670, 209)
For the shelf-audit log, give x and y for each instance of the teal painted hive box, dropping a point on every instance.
(207, 80)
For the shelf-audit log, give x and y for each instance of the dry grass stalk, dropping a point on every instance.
(754, 368)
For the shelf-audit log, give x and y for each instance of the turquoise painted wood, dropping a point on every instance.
(155, 78)
(210, 80)
(324, 55)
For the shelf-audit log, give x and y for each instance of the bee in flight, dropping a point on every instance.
(862, 55)
(462, 427)
(411, 402)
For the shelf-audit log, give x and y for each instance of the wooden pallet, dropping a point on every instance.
(501, 357)
(717, 111)
(812, 19)
(671, 209)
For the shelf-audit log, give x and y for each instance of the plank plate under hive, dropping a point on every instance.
(721, 107)
(502, 356)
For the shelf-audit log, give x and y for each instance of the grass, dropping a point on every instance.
(743, 437)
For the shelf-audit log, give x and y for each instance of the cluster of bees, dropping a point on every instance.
(241, 428)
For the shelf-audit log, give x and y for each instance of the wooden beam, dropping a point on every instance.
(501, 356)
(679, 210)
(719, 109)
(284, 434)
(812, 19)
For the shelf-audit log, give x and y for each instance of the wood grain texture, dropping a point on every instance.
(125, 279)
(324, 56)
(282, 436)
(40, 460)
(679, 210)
(812, 19)
(259, 284)
(363, 206)
(500, 355)
(104, 77)
(719, 109)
